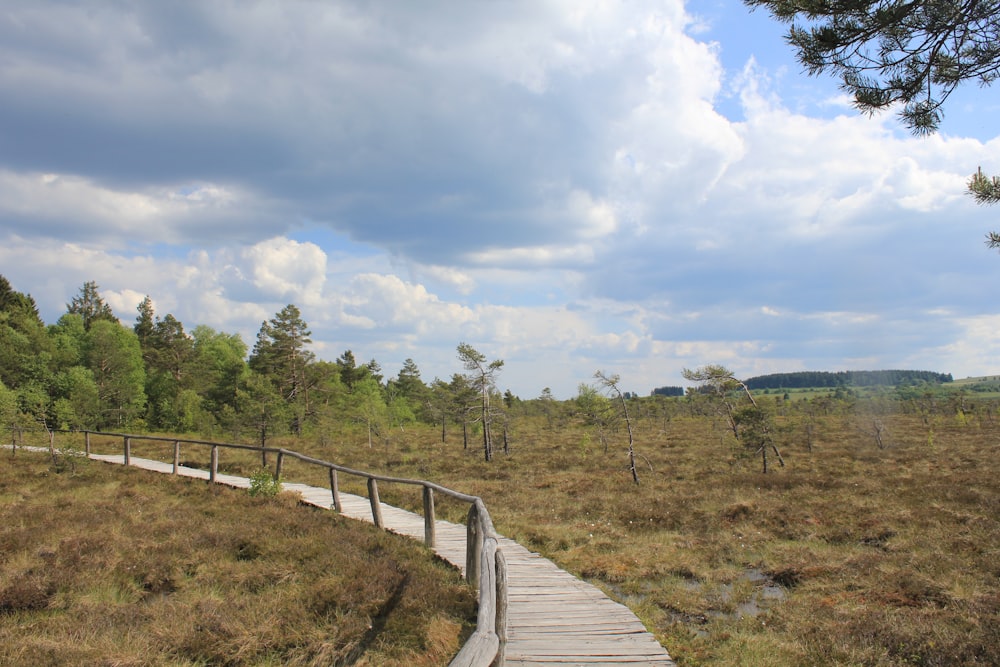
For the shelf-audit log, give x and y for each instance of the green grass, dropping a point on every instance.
(105, 565)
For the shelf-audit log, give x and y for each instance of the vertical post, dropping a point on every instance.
(177, 455)
(277, 465)
(86, 442)
(376, 505)
(501, 620)
(335, 490)
(128, 450)
(430, 529)
(213, 467)
(473, 545)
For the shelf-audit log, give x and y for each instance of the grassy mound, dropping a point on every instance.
(104, 565)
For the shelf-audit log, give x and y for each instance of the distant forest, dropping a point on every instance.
(668, 391)
(803, 379)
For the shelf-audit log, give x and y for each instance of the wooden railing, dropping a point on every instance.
(485, 567)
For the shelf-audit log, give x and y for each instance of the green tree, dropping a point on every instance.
(482, 378)
(9, 411)
(144, 323)
(261, 408)
(986, 191)
(115, 359)
(69, 341)
(89, 304)
(77, 399)
(596, 410)
(350, 372)
(25, 347)
(896, 52)
(219, 367)
(367, 407)
(899, 52)
(752, 424)
(169, 357)
(280, 354)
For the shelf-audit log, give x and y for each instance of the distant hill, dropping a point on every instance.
(802, 379)
(985, 379)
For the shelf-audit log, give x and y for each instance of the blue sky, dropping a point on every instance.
(571, 186)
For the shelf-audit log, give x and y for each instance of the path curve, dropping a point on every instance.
(553, 618)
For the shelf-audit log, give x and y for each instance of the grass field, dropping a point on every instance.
(103, 565)
(851, 554)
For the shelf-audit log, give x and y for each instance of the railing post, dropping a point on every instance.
(86, 442)
(335, 490)
(127, 457)
(430, 528)
(177, 455)
(277, 465)
(501, 620)
(473, 545)
(376, 505)
(213, 467)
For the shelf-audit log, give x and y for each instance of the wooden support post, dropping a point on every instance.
(501, 620)
(177, 455)
(335, 490)
(86, 442)
(128, 450)
(473, 545)
(376, 505)
(277, 465)
(213, 466)
(430, 528)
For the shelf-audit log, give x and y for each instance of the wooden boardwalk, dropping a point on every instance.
(553, 618)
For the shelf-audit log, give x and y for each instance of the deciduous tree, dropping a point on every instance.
(115, 359)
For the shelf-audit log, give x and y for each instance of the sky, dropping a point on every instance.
(567, 185)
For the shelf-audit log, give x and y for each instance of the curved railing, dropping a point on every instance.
(485, 567)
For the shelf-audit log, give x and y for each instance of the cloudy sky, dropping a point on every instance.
(567, 185)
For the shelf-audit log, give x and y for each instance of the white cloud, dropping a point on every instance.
(285, 269)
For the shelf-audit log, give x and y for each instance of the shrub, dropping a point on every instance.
(263, 484)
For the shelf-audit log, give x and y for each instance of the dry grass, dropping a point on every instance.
(112, 566)
(851, 555)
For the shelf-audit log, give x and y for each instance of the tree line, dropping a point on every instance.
(89, 370)
(826, 379)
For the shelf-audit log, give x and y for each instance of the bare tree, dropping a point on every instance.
(610, 383)
(482, 376)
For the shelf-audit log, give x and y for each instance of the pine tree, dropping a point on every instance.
(280, 354)
(482, 376)
(899, 53)
(896, 52)
(90, 305)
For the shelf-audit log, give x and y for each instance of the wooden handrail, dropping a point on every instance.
(485, 565)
